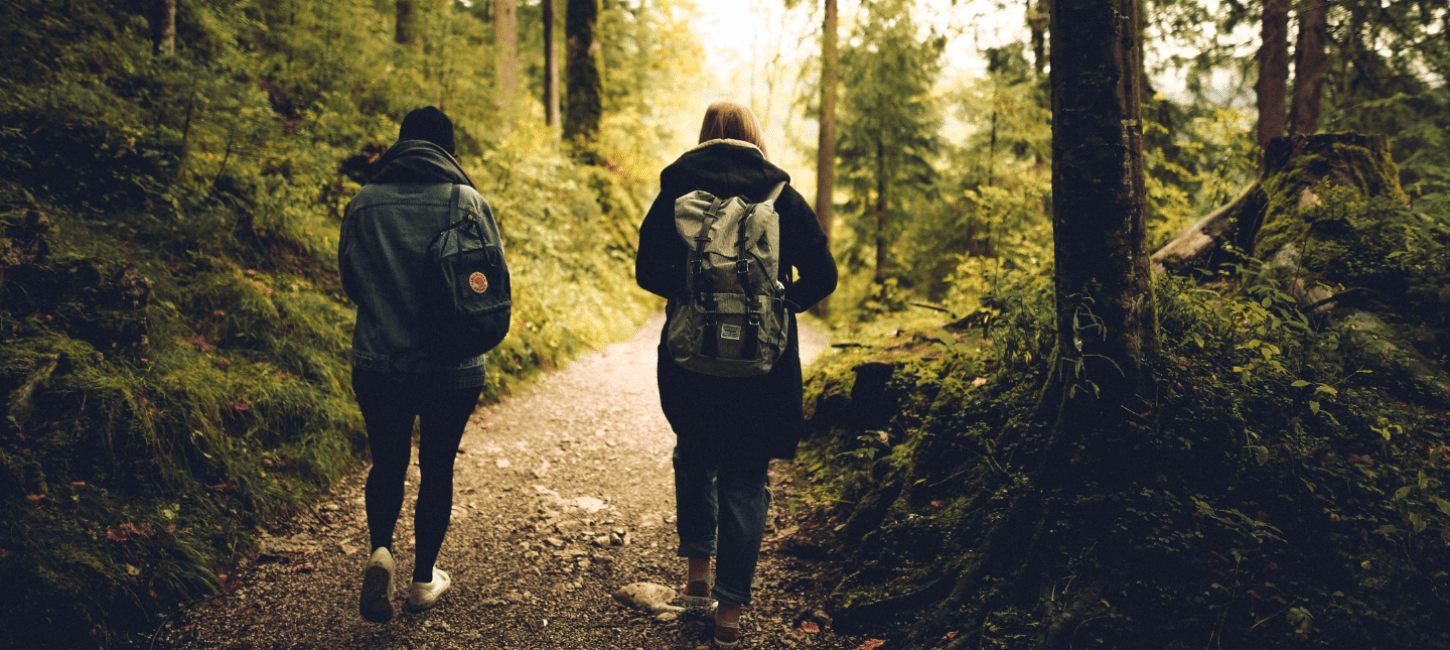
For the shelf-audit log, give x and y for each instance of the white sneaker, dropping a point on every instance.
(376, 603)
(423, 595)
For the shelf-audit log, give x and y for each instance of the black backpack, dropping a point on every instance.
(469, 308)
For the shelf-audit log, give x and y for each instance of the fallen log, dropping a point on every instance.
(1282, 214)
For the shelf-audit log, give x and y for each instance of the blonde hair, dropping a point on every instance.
(735, 121)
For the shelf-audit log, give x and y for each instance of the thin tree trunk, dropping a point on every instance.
(163, 27)
(880, 274)
(826, 153)
(1273, 71)
(1310, 64)
(1347, 49)
(506, 40)
(403, 30)
(551, 68)
(585, 84)
(1037, 22)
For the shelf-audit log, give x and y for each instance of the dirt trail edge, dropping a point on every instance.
(564, 493)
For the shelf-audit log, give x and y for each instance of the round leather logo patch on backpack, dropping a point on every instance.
(478, 282)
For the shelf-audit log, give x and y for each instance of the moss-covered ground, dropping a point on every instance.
(1292, 490)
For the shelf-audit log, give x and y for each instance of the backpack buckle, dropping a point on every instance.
(742, 266)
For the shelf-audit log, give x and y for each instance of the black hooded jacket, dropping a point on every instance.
(751, 415)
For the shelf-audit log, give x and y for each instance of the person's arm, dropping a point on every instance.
(805, 246)
(660, 265)
(344, 254)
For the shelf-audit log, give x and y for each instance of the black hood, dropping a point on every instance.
(419, 161)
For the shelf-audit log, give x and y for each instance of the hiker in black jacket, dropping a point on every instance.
(386, 231)
(728, 428)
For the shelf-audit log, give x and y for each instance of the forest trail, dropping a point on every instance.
(541, 476)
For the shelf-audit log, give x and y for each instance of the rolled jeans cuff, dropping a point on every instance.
(697, 548)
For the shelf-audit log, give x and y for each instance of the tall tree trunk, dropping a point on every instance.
(585, 83)
(551, 68)
(1310, 64)
(506, 40)
(880, 273)
(1273, 71)
(1099, 231)
(403, 30)
(163, 27)
(826, 151)
(1037, 22)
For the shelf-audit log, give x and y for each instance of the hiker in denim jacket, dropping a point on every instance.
(385, 234)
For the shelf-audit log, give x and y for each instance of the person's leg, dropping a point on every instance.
(389, 422)
(695, 512)
(744, 505)
(440, 430)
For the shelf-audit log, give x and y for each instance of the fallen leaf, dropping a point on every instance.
(810, 627)
(978, 382)
(872, 644)
(952, 634)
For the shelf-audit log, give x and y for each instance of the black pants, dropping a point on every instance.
(388, 411)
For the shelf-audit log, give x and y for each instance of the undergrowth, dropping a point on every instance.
(1292, 491)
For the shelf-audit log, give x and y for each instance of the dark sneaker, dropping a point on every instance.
(376, 603)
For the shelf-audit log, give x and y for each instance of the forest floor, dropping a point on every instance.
(542, 480)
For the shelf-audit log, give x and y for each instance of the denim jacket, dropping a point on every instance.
(386, 230)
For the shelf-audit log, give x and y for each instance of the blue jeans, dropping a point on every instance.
(720, 496)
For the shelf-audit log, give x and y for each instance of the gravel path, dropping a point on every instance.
(544, 481)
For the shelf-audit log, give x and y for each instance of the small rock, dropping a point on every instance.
(666, 617)
(555, 542)
(493, 602)
(531, 556)
(651, 520)
(601, 541)
(648, 597)
(584, 564)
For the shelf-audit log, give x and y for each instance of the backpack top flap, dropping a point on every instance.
(736, 227)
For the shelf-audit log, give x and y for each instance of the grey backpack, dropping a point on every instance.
(733, 321)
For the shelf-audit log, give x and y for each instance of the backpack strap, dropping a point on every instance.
(703, 285)
(453, 204)
(749, 346)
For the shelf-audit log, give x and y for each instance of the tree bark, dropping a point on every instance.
(1273, 71)
(163, 27)
(585, 90)
(1097, 179)
(551, 68)
(506, 41)
(1310, 64)
(403, 30)
(826, 152)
